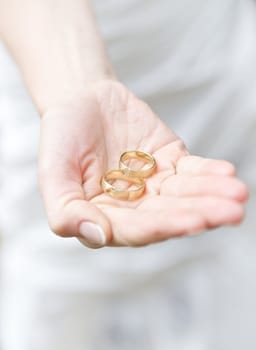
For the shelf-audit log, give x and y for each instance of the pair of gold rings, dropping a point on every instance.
(126, 173)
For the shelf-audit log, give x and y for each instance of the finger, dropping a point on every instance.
(135, 227)
(167, 156)
(193, 165)
(223, 186)
(215, 210)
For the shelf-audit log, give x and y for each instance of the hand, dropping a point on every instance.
(83, 139)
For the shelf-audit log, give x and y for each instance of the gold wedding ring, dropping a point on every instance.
(125, 194)
(132, 175)
(145, 171)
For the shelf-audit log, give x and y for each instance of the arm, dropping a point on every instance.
(57, 46)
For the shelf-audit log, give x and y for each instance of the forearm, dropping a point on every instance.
(57, 46)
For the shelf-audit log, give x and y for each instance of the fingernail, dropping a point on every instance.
(93, 235)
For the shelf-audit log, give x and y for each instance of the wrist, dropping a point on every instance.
(71, 67)
(65, 91)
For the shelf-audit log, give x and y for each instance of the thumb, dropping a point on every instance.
(61, 184)
(68, 213)
(81, 219)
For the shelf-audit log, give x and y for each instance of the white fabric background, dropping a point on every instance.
(193, 62)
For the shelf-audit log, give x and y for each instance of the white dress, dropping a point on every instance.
(194, 63)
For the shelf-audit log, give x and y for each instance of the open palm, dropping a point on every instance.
(83, 139)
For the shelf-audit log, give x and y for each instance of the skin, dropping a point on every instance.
(187, 194)
(88, 119)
